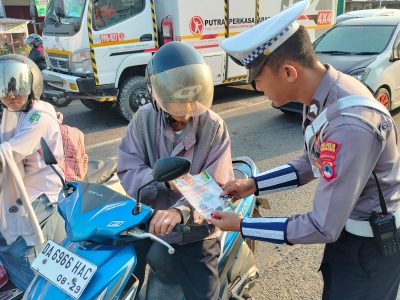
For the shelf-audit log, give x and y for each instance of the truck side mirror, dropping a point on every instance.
(32, 9)
(395, 56)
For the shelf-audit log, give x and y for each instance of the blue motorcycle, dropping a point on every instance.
(97, 259)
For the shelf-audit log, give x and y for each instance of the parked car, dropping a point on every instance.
(367, 49)
(381, 12)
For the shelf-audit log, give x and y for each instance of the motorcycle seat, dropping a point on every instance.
(99, 171)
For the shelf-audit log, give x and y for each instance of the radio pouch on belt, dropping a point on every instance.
(384, 227)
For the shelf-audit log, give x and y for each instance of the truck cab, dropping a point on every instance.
(97, 50)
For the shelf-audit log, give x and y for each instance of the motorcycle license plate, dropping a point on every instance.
(64, 269)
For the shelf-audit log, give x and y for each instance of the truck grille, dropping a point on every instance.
(59, 62)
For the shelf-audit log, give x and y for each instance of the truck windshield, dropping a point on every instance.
(65, 11)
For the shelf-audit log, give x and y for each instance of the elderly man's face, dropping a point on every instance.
(181, 110)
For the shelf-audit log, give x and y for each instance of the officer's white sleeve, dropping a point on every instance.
(275, 180)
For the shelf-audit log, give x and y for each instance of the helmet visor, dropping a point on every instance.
(15, 79)
(184, 91)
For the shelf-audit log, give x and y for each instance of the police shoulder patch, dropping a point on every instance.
(328, 152)
(35, 117)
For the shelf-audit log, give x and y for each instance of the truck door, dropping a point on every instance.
(118, 28)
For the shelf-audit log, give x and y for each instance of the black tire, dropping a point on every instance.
(133, 94)
(59, 102)
(95, 105)
(288, 112)
(383, 96)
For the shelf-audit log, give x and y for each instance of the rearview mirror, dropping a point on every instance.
(170, 168)
(32, 9)
(164, 169)
(50, 160)
(48, 156)
(395, 55)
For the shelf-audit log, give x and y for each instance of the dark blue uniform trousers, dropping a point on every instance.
(353, 268)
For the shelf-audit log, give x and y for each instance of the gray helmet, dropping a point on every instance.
(179, 80)
(20, 76)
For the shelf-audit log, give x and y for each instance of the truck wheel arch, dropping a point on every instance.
(134, 64)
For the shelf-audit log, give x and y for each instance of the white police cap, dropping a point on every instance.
(252, 47)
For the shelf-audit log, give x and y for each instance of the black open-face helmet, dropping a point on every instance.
(179, 81)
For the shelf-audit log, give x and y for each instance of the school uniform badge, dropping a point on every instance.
(327, 157)
(35, 117)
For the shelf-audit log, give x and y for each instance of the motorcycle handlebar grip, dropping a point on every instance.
(181, 228)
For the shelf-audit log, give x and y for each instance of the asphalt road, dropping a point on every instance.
(270, 138)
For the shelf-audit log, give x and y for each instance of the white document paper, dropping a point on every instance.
(203, 193)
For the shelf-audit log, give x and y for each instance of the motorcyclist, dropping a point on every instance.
(25, 120)
(178, 122)
(36, 54)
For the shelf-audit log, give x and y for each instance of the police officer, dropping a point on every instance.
(349, 138)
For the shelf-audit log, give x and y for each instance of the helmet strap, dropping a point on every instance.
(154, 103)
(171, 121)
(28, 105)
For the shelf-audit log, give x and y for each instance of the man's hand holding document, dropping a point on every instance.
(203, 193)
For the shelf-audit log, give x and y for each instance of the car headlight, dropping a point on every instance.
(360, 74)
(81, 62)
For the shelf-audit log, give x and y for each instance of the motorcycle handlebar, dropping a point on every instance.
(181, 228)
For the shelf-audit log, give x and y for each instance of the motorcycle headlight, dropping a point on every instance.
(81, 62)
(360, 74)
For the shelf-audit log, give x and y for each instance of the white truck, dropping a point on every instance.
(97, 50)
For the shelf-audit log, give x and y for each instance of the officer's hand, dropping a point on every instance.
(164, 221)
(226, 220)
(238, 189)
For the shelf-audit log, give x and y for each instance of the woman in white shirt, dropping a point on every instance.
(25, 120)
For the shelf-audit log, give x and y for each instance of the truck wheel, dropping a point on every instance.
(95, 105)
(59, 102)
(133, 94)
